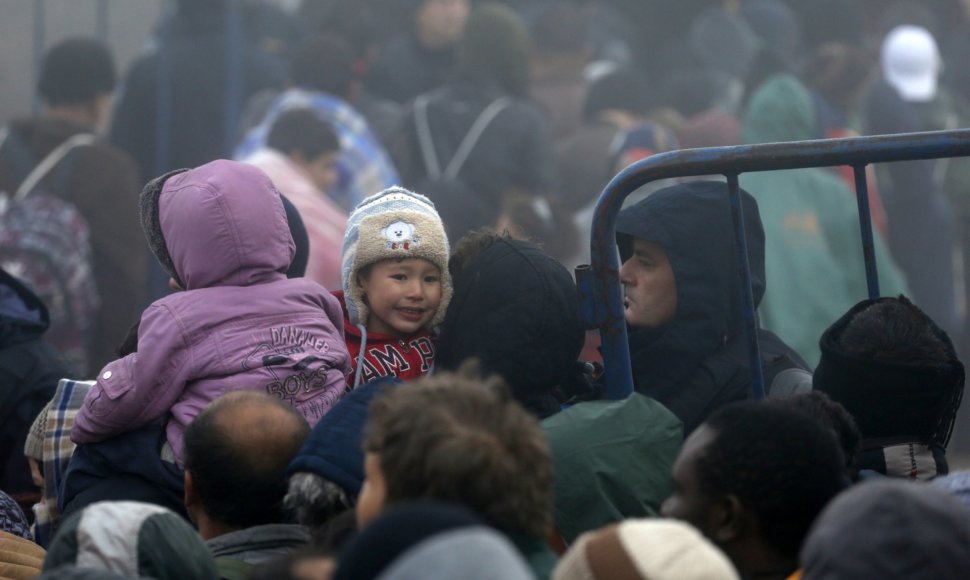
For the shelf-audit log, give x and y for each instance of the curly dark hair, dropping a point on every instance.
(470, 246)
(833, 415)
(457, 438)
(780, 464)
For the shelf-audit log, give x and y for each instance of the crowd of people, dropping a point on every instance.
(335, 334)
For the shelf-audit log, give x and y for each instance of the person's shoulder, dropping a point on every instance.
(108, 156)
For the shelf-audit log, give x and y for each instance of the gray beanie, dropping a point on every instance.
(391, 225)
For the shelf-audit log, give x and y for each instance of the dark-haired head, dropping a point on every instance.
(831, 415)
(75, 72)
(301, 131)
(753, 478)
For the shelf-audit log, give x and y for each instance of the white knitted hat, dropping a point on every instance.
(656, 549)
(669, 549)
(393, 224)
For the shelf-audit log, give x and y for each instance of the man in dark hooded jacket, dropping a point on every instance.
(29, 371)
(682, 296)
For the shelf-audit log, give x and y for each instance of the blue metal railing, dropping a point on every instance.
(601, 297)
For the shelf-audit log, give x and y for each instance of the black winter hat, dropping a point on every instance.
(891, 399)
(516, 309)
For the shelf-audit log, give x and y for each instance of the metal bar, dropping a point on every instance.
(235, 55)
(102, 24)
(865, 228)
(609, 297)
(40, 32)
(587, 304)
(747, 295)
(726, 161)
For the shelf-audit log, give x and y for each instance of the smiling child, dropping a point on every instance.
(396, 286)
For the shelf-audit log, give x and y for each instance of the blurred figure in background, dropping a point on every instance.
(299, 158)
(321, 78)
(478, 142)
(421, 58)
(98, 182)
(911, 65)
(29, 371)
(561, 52)
(813, 252)
(181, 102)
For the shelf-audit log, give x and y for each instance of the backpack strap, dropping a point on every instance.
(50, 162)
(17, 156)
(431, 162)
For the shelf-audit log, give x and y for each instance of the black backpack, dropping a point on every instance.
(457, 203)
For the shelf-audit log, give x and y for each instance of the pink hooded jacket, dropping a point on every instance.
(239, 325)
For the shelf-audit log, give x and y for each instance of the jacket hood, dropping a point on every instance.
(22, 315)
(692, 222)
(515, 309)
(131, 538)
(611, 461)
(891, 398)
(781, 110)
(221, 224)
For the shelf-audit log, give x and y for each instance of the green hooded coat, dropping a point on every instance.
(611, 460)
(813, 248)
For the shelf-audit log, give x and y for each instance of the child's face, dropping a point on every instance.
(370, 503)
(322, 171)
(403, 295)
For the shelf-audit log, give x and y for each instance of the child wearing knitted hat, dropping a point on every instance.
(396, 286)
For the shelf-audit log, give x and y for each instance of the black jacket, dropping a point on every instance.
(29, 371)
(699, 361)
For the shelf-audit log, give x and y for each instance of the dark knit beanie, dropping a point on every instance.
(334, 448)
(516, 310)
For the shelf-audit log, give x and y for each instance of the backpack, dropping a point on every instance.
(458, 205)
(45, 242)
(723, 378)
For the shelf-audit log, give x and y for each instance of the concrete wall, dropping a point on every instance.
(126, 25)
